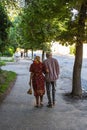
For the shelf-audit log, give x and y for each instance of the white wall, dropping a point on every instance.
(85, 50)
(63, 50)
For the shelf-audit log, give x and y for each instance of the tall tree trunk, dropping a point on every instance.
(76, 84)
(42, 55)
(32, 53)
(77, 89)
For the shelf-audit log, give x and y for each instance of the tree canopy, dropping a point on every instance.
(5, 23)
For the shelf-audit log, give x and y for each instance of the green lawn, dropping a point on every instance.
(6, 78)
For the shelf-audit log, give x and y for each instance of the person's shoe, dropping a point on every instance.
(53, 103)
(37, 105)
(49, 105)
(41, 104)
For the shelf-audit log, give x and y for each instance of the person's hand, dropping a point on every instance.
(47, 70)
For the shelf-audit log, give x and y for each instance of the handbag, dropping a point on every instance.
(29, 91)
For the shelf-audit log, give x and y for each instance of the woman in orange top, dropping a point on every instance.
(37, 78)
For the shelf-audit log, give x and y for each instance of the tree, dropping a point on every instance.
(13, 36)
(4, 26)
(36, 32)
(76, 33)
(11, 9)
(77, 89)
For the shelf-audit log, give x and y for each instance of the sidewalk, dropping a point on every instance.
(17, 112)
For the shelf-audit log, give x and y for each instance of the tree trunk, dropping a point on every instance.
(77, 89)
(32, 53)
(76, 83)
(42, 55)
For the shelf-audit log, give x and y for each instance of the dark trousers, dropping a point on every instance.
(50, 87)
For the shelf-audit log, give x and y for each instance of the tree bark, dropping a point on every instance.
(32, 53)
(76, 82)
(42, 55)
(77, 89)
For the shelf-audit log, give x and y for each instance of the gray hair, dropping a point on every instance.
(48, 54)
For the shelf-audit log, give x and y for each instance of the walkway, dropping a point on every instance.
(17, 112)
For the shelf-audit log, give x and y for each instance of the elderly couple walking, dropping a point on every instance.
(41, 74)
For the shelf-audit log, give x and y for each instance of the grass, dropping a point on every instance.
(12, 60)
(6, 78)
(2, 63)
(7, 60)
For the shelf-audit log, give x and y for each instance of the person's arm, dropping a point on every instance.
(45, 69)
(57, 68)
(30, 81)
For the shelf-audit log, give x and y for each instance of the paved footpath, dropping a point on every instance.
(17, 112)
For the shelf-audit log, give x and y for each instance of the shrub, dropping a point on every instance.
(1, 64)
(9, 52)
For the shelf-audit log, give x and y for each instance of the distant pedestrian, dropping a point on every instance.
(34, 55)
(51, 75)
(16, 56)
(37, 80)
(21, 54)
